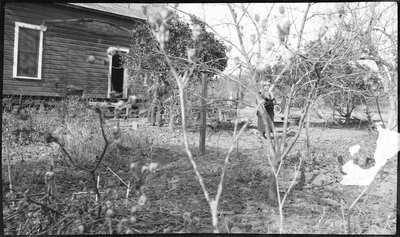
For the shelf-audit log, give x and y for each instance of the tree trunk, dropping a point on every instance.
(152, 114)
(283, 103)
(159, 115)
(272, 194)
(348, 114)
(272, 191)
(203, 113)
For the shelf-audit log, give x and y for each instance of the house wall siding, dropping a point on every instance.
(65, 50)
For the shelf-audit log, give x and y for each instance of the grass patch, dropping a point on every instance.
(170, 200)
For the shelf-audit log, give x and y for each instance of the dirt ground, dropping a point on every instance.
(245, 191)
(316, 208)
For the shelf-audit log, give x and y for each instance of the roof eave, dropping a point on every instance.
(98, 11)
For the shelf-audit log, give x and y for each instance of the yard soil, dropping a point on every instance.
(315, 208)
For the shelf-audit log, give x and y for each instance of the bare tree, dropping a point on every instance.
(304, 72)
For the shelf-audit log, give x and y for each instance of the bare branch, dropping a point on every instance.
(238, 31)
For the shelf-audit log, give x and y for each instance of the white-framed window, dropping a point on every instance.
(28, 48)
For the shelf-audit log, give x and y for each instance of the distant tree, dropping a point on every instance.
(344, 86)
(146, 62)
(364, 45)
(377, 27)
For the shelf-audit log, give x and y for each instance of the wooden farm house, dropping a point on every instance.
(50, 49)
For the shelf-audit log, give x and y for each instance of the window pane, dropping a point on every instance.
(28, 40)
(28, 52)
(27, 64)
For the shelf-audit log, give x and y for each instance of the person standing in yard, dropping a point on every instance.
(269, 99)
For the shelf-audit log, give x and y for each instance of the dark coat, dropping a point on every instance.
(269, 107)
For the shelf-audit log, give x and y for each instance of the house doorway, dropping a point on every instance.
(117, 81)
(117, 75)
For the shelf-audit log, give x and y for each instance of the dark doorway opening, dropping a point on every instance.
(117, 75)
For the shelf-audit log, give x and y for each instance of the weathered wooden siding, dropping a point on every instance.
(65, 50)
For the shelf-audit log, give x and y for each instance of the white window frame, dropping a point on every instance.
(110, 52)
(41, 29)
